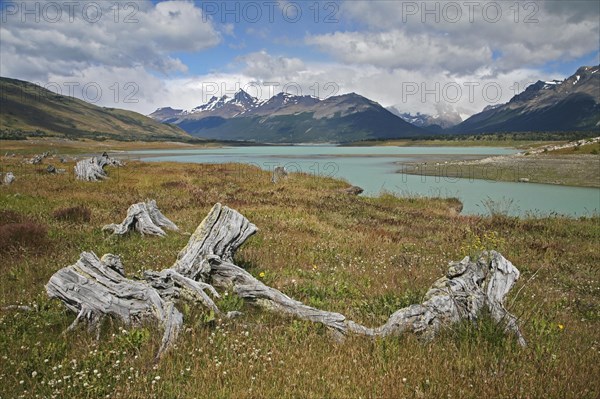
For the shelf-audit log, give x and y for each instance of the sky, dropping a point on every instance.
(431, 57)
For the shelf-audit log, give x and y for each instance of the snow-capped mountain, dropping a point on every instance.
(289, 118)
(549, 105)
(225, 106)
(437, 122)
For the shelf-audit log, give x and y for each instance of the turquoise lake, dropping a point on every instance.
(379, 169)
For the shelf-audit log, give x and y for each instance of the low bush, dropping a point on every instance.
(14, 236)
(77, 214)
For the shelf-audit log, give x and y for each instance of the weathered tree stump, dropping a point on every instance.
(37, 159)
(92, 169)
(97, 288)
(145, 218)
(278, 173)
(352, 190)
(8, 178)
(53, 170)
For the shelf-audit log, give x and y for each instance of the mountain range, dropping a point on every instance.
(27, 109)
(287, 118)
(570, 104)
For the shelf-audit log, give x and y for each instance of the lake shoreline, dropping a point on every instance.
(377, 171)
(554, 169)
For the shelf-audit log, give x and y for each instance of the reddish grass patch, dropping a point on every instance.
(7, 216)
(174, 184)
(77, 214)
(14, 236)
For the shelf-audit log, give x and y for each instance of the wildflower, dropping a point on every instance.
(157, 378)
(561, 327)
(262, 274)
(34, 374)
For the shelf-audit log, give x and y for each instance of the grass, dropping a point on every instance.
(593, 149)
(363, 257)
(569, 168)
(488, 142)
(85, 146)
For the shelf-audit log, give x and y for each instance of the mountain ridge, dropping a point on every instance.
(290, 118)
(29, 109)
(570, 104)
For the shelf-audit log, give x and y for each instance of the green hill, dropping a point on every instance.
(27, 109)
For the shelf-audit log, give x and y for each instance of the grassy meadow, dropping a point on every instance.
(363, 257)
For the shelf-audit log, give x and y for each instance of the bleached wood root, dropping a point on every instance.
(145, 218)
(457, 296)
(8, 178)
(92, 169)
(278, 173)
(226, 275)
(22, 308)
(97, 288)
(173, 285)
(37, 159)
(469, 287)
(219, 235)
(352, 190)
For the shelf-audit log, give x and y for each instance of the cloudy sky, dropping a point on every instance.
(416, 56)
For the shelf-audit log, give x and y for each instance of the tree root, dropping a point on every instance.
(95, 288)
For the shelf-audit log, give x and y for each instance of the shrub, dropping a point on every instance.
(77, 214)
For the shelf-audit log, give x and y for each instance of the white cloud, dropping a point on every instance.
(261, 65)
(135, 42)
(525, 33)
(397, 49)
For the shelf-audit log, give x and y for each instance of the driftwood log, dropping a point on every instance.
(92, 169)
(145, 218)
(95, 288)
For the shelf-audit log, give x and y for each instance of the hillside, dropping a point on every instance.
(27, 109)
(571, 104)
(286, 118)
